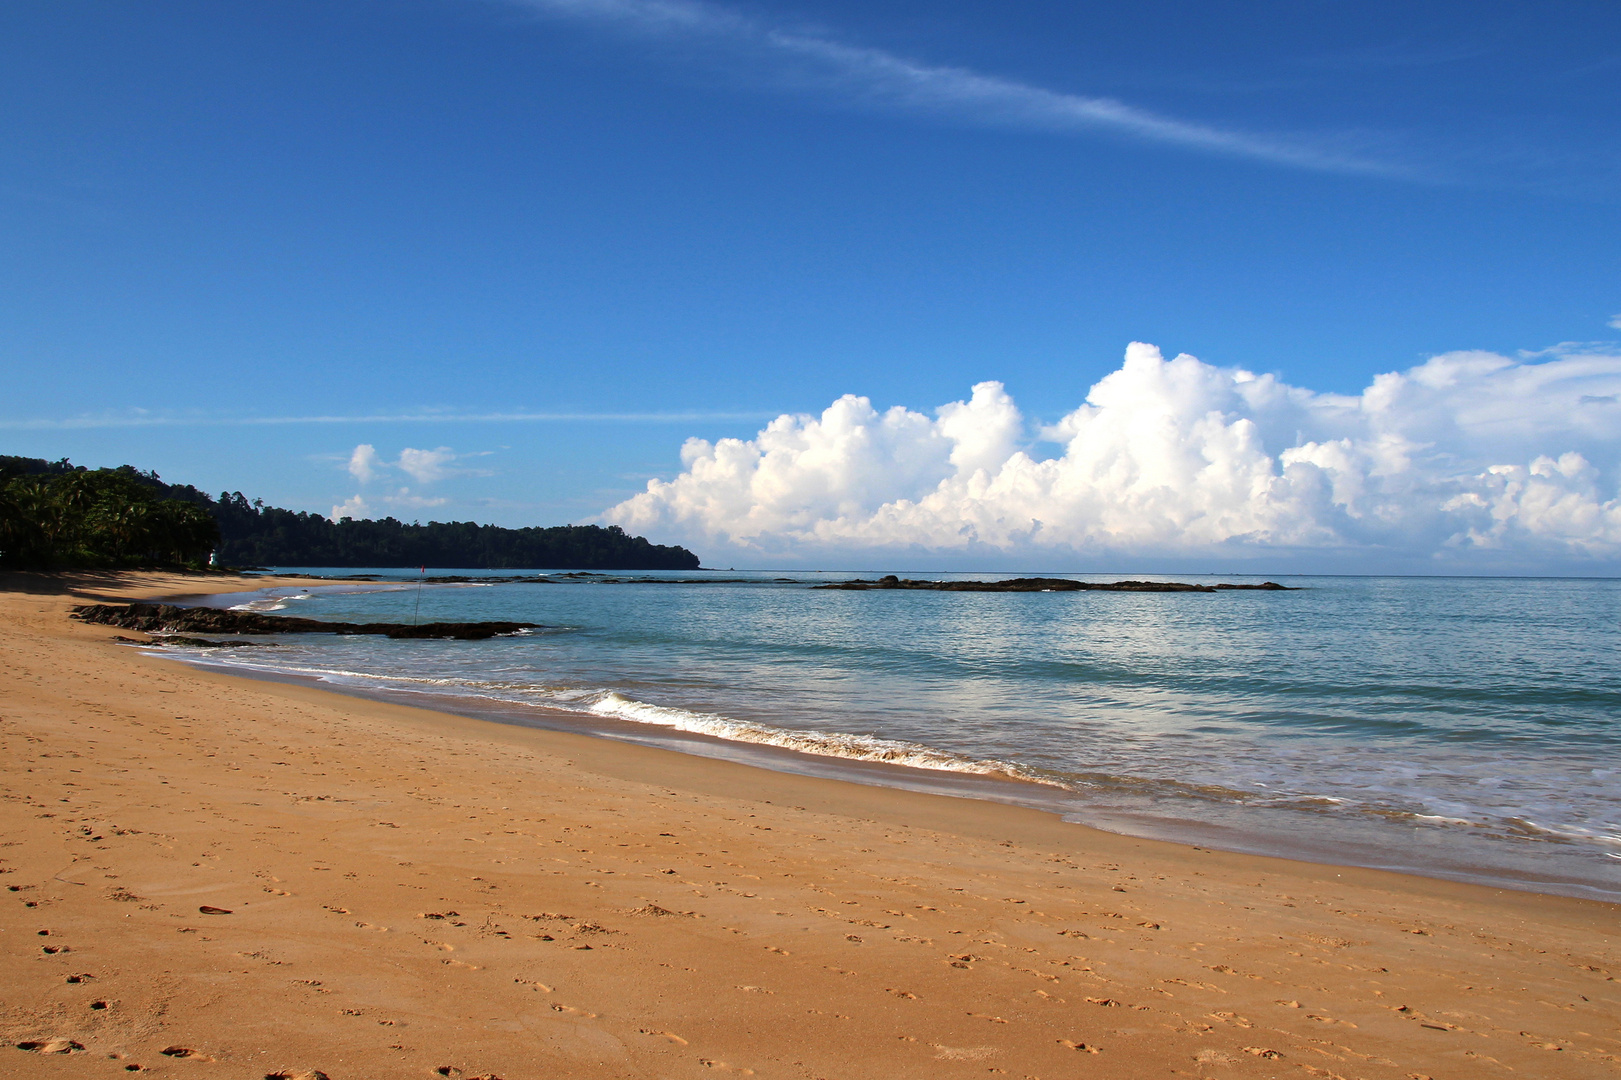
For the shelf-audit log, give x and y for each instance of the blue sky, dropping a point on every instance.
(560, 237)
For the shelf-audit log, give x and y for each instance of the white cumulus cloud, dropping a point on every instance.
(402, 499)
(1467, 453)
(423, 466)
(426, 466)
(356, 507)
(363, 463)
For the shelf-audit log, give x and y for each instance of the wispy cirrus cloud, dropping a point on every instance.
(141, 418)
(821, 61)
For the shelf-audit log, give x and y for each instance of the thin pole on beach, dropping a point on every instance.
(416, 616)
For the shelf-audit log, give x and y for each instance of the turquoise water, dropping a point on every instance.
(1466, 728)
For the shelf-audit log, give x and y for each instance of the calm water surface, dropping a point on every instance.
(1467, 728)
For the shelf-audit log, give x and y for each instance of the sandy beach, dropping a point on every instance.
(206, 876)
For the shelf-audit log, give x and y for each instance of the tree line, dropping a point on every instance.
(54, 514)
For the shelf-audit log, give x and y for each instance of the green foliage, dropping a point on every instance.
(259, 535)
(53, 515)
(56, 514)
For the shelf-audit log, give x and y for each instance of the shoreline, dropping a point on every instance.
(835, 929)
(1227, 820)
(1332, 849)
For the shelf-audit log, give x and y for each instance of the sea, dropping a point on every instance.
(1462, 728)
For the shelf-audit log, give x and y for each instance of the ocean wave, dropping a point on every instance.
(611, 704)
(823, 744)
(1608, 835)
(269, 603)
(614, 705)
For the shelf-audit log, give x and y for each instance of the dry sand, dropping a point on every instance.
(209, 877)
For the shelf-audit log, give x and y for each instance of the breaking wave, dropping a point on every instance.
(824, 744)
(613, 705)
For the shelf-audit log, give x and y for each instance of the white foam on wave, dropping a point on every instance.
(1441, 819)
(1607, 835)
(614, 705)
(269, 603)
(822, 744)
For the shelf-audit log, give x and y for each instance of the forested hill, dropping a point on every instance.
(56, 516)
(253, 534)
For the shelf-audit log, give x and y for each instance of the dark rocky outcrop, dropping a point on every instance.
(1040, 584)
(169, 619)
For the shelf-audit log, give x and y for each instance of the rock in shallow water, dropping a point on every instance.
(1040, 584)
(170, 619)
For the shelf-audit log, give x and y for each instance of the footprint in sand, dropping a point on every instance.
(1232, 1018)
(184, 1052)
(51, 1046)
(964, 1053)
(299, 1074)
(542, 987)
(572, 1011)
(669, 1035)
(723, 1067)
(1085, 1048)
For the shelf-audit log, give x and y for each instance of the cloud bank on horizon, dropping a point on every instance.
(1470, 458)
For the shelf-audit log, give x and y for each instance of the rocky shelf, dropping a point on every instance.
(1043, 584)
(169, 619)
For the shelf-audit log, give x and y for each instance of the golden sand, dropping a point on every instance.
(208, 877)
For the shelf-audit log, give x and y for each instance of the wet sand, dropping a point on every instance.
(262, 878)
